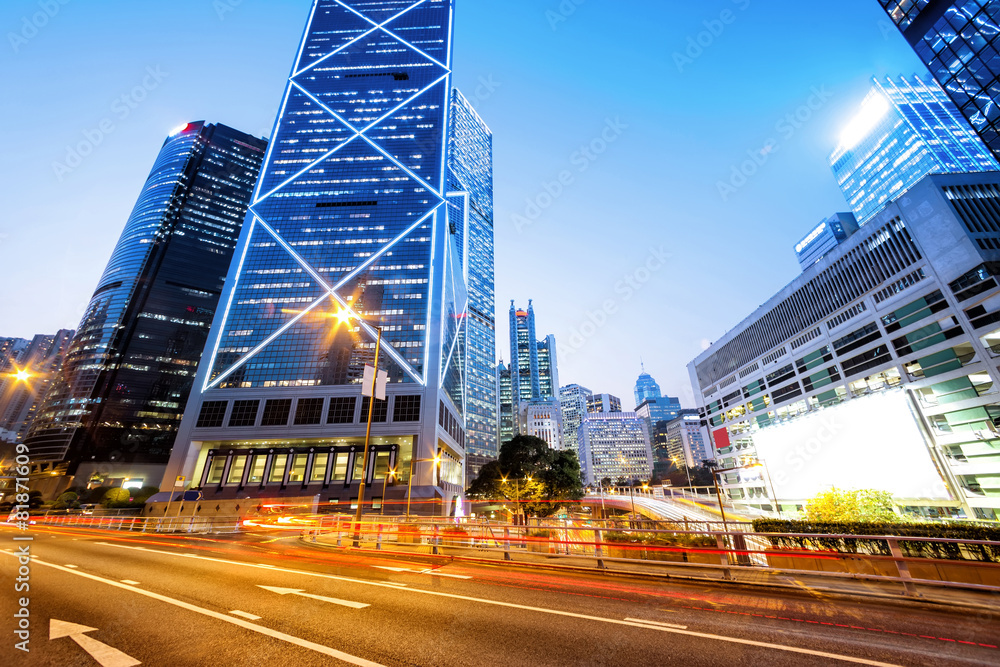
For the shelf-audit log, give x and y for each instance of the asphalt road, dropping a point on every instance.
(179, 601)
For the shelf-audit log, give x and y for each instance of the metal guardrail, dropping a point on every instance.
(733, 552)
(138, 524)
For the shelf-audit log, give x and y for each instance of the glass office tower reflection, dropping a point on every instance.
(959, 41)
(117, 403)
(470, 182)
(904, 130)
(353, 228)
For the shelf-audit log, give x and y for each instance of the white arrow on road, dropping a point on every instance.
(321, 598)
(105, 655)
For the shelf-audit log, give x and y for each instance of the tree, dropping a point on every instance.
(116, 497)
(554, 477)
(864, 505)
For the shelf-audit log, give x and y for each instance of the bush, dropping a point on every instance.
(116, 497)
(877, 547)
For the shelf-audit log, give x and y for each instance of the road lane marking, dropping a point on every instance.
(429, 571)
(511, 605)
(243, 614)
(130, 582)
(72, 567)
(659, 623)
(321, 598)
(274, 634)
(105, 655)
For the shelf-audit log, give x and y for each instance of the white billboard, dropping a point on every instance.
(873, 442)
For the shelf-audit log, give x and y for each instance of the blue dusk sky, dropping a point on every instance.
(617, 126)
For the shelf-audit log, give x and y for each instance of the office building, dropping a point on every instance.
(603, 403)
(824, 237)
(958, 43)
(573, 403)
(876, 367)
(114, 408)
(542, 418)
(353, 228)
(905, 129)
(26, 371)
(470, 174)
(646, 387)
(615, 446)
(506, 417)
(683, 441)
(534, 372)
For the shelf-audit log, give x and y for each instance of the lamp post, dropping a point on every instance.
(368, 435)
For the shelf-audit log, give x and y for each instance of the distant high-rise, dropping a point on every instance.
(470, 182)
(824, 237)
(506, 416)
(534, 371)
(615, 446)
(116, 405)
(354, 227)
(26, 371)
(603, 403)
(958, 43)
(646, 387)
(573, 401)
(905, 130)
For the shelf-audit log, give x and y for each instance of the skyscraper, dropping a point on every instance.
(470, 175)
(573, 401)
(534, 371)
(646, 387)
(506, 417)
(603, 403)
(116, 405)
(958, 41)
(904, 130)
(353, 228)
(26, 371)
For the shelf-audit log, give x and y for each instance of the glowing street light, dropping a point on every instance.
(22, 374)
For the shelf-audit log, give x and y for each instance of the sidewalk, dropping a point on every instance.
(740, 575)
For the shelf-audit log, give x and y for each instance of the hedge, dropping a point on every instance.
(938, 550)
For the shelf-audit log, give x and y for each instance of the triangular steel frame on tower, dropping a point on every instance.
(349, 232)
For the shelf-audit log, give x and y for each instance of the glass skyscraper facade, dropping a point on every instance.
(120, 394)
(573, 400)
(470, 184)
(959, 41)
(354, 228)
(20, 396)
(615, 446)
(905, 129)
(646, 387)
(506, 417)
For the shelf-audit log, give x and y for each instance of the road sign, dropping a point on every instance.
(180, 481)
(380, 383)
(105, 655)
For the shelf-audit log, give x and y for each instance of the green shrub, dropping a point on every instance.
(878, 547)
(116, 497)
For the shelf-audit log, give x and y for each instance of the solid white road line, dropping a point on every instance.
(510, 605)
(130, 582)
(321, 598)
(105, 655)
(243, 614)
(432, 572)
(281, 636)
(659, 623)
(72, 567)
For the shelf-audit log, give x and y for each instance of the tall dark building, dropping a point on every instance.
(960, 44)
(26, 371)
(116, 404)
